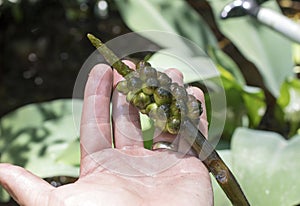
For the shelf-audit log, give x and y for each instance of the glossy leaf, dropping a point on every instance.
(268, 50)
(289, 102)
(170, 16)
(194, 68)
(266, 166)
(39, 136)
(254, 100)
(70, 155)
(147, 126)
(178, 29)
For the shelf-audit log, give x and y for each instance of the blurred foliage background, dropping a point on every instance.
(43, 45)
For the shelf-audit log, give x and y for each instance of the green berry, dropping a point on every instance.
(151, 108)
(194, 107)
(134, 84)
(130, 95)
(160, 115)
(163, 79)
(147, 72)
(122, 87)
(178, 108)
(178, 92)
(173, 125)
(149, 86)
(162, 96)
(141, 100)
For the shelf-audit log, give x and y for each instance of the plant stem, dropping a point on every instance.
(193, 135)
(109, 56)
(214, 164)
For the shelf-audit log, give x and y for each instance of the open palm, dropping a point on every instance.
(125, 175)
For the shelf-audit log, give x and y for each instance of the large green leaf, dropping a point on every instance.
(175, 17)
(268, 50)
(254, 100)
(194, 68)
(266, 166)
(38, 137)
(177, 28)
(39, 133)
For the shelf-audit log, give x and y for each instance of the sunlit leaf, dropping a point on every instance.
(296, 54)
(289, 99)
(266, 166)
(254, 100)
(268, 50)
(289, 102)
(38, 136)
(147, 126)
(4, 196)
(284, 98)
(193, 68)
(175, 17)
(70, 155)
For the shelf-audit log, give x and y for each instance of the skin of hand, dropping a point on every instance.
(185, 183)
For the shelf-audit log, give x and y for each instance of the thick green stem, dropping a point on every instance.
(109, 56)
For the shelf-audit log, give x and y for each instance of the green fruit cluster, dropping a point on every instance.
(154, 93)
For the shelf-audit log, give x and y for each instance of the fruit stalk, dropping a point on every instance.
(155, 97)
(215, 165)
(109, 56)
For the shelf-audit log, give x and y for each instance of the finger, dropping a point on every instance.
(175, 75)
(95, 130)
(126, 119)
(23, 186)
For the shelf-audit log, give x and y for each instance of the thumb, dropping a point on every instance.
(23, 186)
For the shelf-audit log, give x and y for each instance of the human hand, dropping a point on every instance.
(125, 175)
